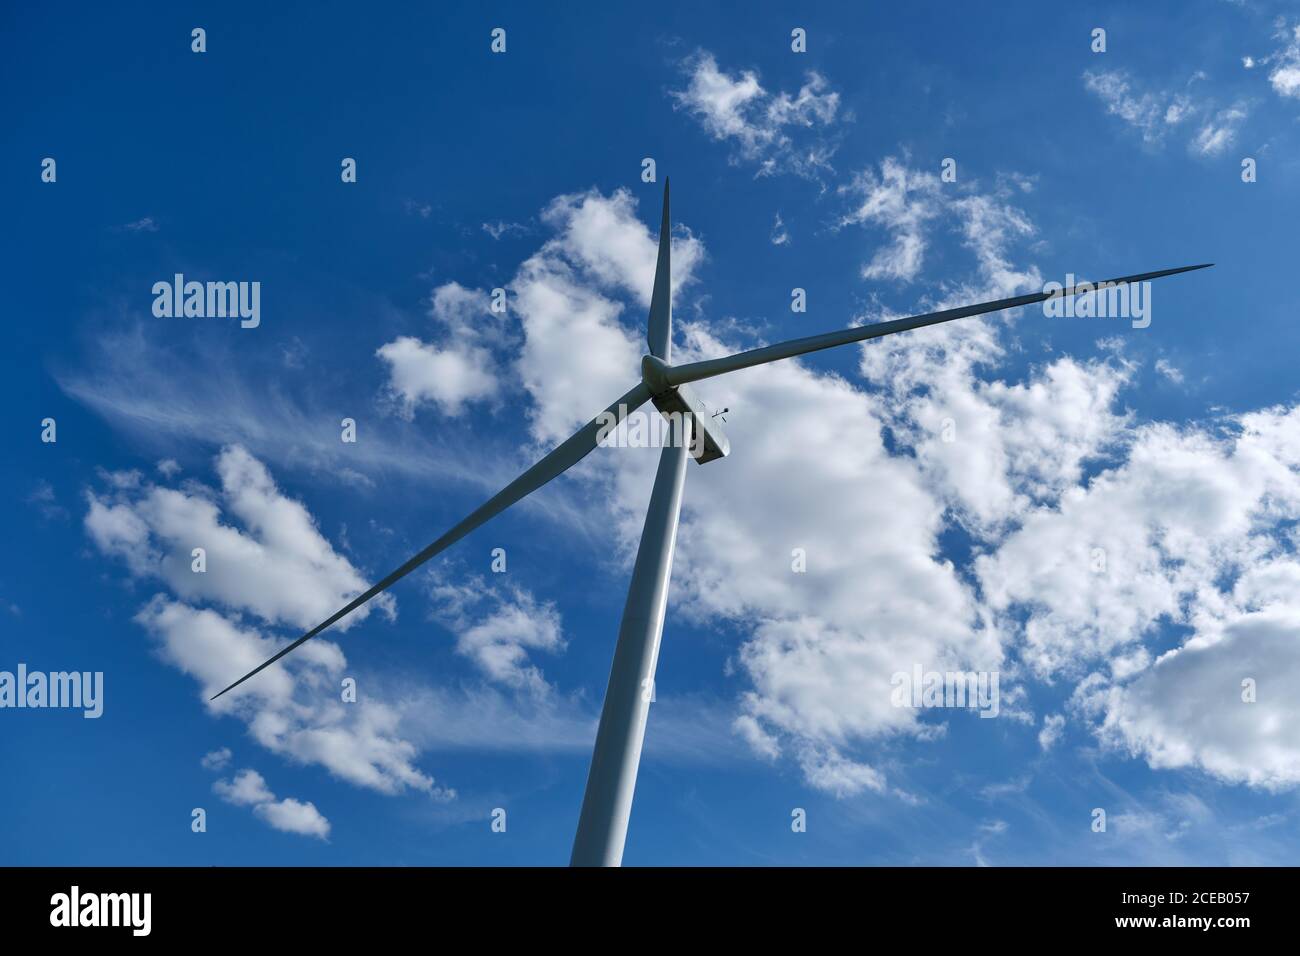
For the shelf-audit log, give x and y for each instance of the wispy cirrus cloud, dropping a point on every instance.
(778, 132)
(902, 201)
(1284, 63)
(1155, 112)
(496, 627)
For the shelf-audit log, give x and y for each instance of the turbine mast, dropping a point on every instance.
(611, 781)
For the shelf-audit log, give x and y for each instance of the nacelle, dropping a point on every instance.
(708, 441)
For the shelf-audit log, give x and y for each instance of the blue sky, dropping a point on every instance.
(1173, 448)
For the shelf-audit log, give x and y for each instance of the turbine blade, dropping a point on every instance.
(694, 371)
(659, 330)
(571, 451)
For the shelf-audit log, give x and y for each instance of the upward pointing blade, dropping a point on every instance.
(695, 371)
(659, 331)
(561, 459)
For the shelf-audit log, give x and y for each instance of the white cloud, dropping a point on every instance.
(1144, 540)
(988, 448)
(760, 741)
(577, 355)
(1177, 513)
(280, 570)
(280, 567)
(293, 709)
(1154, 113)
(780, 234)
(1151, 113)
(1286, 80)
(837, 776)
(820, 647)
(496, 627)
(762, 126)
(456, 373)
(448, 377)
(207, 397)
(1188, 708)
(902, 201)
(1285, 74)
(1053, 728)
(248, 789)
(216, 759)
(906, 201)
(293, 816)
(147, 224)
(817, 649)
(500, 228)
(1169, 370)
(994, 450)
(1219, 131)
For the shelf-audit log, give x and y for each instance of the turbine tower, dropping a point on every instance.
(607, 802)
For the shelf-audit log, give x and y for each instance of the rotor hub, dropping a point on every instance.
(654, 373)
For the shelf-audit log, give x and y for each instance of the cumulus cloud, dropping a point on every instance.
(1047, 473)
(1078, 572)
(279, 570)
(987, 448)
(1188, 708)
(1084, 578)
(1221, 701)
(249, 789)
(463, 369)
(775, 131)
(572, 290)
(278, 567)
(1144, 542)
(819, 648)
(246, 790)
(294, 816)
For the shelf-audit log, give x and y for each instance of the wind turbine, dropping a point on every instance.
(607, 803)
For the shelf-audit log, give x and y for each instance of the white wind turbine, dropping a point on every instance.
(607, 803)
